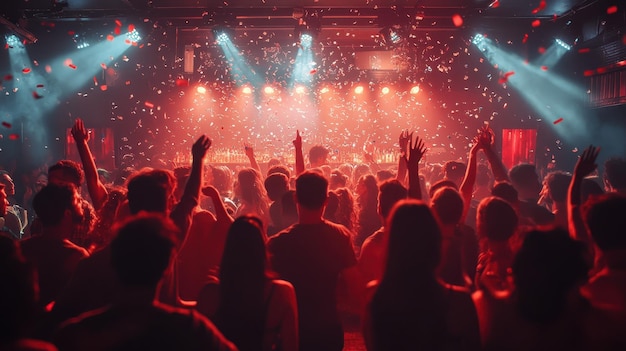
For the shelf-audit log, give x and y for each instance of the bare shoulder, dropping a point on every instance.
(282, 286)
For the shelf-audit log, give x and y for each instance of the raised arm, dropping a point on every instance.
(297, 143)
(467, 186)
(416, 152)
(97, 191)
(183, 212)
(403, 141)
(500, 173)
(221, 214)
(250, 154)
(585, 165)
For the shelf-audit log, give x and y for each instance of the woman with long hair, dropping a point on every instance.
(368, 220)
(251, 194)
(250, 308)
(411, 309)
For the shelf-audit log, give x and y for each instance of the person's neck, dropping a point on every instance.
(307, 216)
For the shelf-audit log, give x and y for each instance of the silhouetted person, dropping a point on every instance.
(525, 180)
(253, 310)
(312, 255)
(411, 309)
(615, 175)
(554, 192)
(54, 256)
(140, 254)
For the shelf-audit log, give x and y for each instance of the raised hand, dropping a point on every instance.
(416, 151)
(79, 132)
(297, 142)
(211, 192)
(249, 150)
(200, 147)
(586, 163)
(403, 141)
(486, 137)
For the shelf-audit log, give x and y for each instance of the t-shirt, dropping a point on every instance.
(141, 327)
(372, 259)
(311, 256)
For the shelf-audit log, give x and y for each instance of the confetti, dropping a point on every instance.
(313, 71)
(131, 27)
(36, 95)
(611, 10)
(103, 87)
(117, 30)
(71, 32)
(542, 5)
(8, 77)
(72, 66)
(558, 121)
(541, 50)
(525, 39)
(110, 37)
(118, 23)
(544, 68)
(48, 68)
(148, 104)
(14, 136)
(505, 77)
(495, 4)
(6, 124)
(536, 23)
(182, 82)
(39, 85)
(26, 70)
(457, 20)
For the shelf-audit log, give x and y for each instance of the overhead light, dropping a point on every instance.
(385, 90)
(21, 32)
(393, 35)
(269, 90)
(247, 90)
(306, 40)
(477, 39)
(133, 36)
(13, 41)
(359, 90)
(201, 90)
(300, 89)
(566, 45)
(415, 90)
(222, 38)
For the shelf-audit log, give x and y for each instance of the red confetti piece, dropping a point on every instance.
(36, 96)
(110, 37)
(611, 10)
(182, 82)
(6, 124)
(505, 77)
(103, 66)
(26, 70)
(313, 71)
(95, 81)
(118, 23)
(601, 70)
(457, 20)
(525, 39)
(127, 41)
(542, 5)
(117, 30)
(589, 73)
(541, 50)
(72, 66)
(14, 136)
(39, 85)
(544, 68)
(8, 77)
(71, 32)
(131, 27)
(536, 23)
(104, 87)
(558, 121)
(149, 104)
(584, 50)
(495, 4)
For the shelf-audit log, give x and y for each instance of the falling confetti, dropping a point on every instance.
(36, 95)
(110, 37)
(495, 4)
(182, 82)
(103, 87)
(457, 20)
(26, 70)
(611, 10)
(544, 68)
(8, 77)
(558, 121)
(148, 104)
(505, 77)
(14, 136)
(525, 39)
(536, 23)
(6, 125)
(542, 5)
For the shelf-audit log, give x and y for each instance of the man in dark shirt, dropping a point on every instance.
(313, 254)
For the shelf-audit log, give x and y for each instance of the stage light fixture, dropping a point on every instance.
(133, 36)
(246, 90)
(359, 90)
(306, 39)
(269, 90)
(324, 90)
(415, 90)
(393, 35)
(385, 90)
(300, 89)
(222, 38)
(13, 40)
(565, 45)
(477, 39)
(201, 90)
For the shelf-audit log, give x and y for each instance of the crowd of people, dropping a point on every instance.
(459, 256)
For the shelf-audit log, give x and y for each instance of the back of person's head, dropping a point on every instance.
(150, 190)
(368, 184)
(337, 179)
(496, 219)
(390, 192)
(605, 217)
(250, 185)
(505, 191)
(441, 184)
(448, 205)
(318, 155)
(524, 176)
(558, 185)
(18, 293)
(384, 175)
(66, 171)
(359, 171)
(454, 171)
(311, 190)
(279, 169)
(548, 266)
(244, 255)
(51, 202)
(276, 184)
(122, 175)
(222, 178)
(588, 188)
(615, 173)
(142, 249)
(345, 213)
(414, 241)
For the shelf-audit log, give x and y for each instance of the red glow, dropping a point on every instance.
(542, 5)
(457, 20)
(611, 10)
(536, 23)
